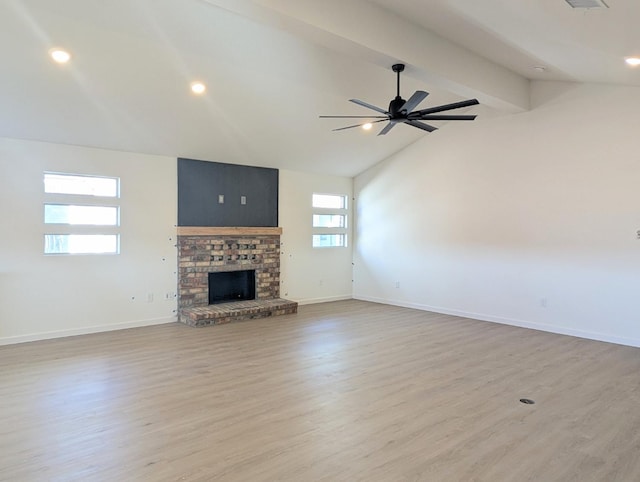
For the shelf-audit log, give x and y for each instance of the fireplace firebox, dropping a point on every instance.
(225, 286)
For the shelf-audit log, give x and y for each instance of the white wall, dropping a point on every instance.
(311, 275)
(528, 219)
(48, 296)
(51, 296)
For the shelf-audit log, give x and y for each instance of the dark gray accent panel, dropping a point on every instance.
(200, 183)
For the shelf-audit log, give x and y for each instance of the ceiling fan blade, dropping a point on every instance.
(387, 128)
(353, 116)
(358, 125)
(368, 106)
(442, 108)
(417, 97)
(443, 117)
(421, 125)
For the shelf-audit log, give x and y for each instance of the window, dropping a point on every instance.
(85, 227)
(329, 220)
(331, 201)
(329, 240)
(58, 183)
(78, 214)
(81, 244)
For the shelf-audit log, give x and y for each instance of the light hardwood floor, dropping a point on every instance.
(341, 391)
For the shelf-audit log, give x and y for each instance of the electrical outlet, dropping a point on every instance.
(149, 297)
(543, 302)
(397, 284)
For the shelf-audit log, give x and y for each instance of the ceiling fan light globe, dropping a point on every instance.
(198, 88)
(59, 55)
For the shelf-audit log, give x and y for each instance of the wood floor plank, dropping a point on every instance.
(340, 391)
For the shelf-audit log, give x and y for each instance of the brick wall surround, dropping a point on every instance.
(201, 254)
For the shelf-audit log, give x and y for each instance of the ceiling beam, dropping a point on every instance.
(364, 30)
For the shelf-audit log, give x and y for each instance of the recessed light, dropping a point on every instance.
(60, 56)
(633, 61)
(198, 88)
(367, 126)
(540, 68)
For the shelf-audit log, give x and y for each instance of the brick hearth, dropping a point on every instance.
(236, 311)
(203, 250)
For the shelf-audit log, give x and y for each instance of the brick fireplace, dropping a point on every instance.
(204, 250)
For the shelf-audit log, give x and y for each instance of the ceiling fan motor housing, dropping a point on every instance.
(395, 108)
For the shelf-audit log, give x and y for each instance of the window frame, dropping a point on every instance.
(116, 207)
(116, 195)
(332, 211)
(342, 215)
(69, 229)
(343, 238)
(81, 253)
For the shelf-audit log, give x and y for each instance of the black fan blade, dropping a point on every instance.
(353, 116)
(417, 97)
(443, 117)
(358, 125)
(368, 106)
(387, 128)
(421, 125)
(442, 108)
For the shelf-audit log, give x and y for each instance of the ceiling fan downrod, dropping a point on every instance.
(397, 68)
(395, 106)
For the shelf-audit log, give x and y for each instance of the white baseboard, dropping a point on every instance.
(85, 330)
(312, 301)
(560, 330)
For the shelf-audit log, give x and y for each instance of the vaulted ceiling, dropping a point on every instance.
(273, 66)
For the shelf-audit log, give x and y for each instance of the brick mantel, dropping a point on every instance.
(227, 231)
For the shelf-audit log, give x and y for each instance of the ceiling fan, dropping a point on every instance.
(401, 111)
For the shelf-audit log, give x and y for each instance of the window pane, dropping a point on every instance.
(81, 243)
(329, 240)
(75, 184)
(329, 201)
(72, 214)
(329, 221)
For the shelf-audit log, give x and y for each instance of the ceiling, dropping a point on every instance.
(273, 66)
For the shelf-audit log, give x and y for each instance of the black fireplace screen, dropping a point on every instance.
(232, 286)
